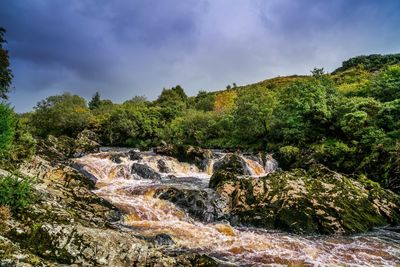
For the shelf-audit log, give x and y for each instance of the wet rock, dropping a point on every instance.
(65, 195)
(145, 171)
(197, 260)
(163, 166)
(200, 204)
(86, 142)
(63, 147)
(314, 201)
(116, 158)
(163, 240)
(56, 148)
(228, 168)
(134, 155)
(233, 163)
(184, 153)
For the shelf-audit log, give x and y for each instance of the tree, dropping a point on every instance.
(304, 112)
(173, 102)
(253, 115)
(7, 128)
(195, 128)
(224, 101)
(204, 101)
(5, 72)
(95, 102)
(64, 114)
(137, 101)
(317, 72)
(133, 126)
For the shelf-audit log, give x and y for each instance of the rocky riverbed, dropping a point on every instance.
(203, 208)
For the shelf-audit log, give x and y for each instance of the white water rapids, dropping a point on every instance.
(146, 213)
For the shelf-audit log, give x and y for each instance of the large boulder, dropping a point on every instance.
(63, 147)
(314, 201)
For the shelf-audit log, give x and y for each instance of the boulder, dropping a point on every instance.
(203, 205)
(63, 147)
(315, 201)
(230, 167)
(145, 171)
(185, 153)
(86, 142)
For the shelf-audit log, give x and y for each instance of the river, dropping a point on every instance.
(140, 195)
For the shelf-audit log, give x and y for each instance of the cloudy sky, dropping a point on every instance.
(124, 48)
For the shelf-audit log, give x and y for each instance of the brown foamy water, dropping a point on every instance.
(149, 216)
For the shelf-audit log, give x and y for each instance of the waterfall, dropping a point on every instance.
(166, 201)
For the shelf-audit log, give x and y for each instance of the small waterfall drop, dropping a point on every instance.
(149, 208)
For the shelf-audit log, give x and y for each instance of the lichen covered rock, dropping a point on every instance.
(314, 201)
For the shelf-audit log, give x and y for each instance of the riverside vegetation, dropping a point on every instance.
(335, 136)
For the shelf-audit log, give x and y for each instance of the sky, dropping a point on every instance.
(124, 48)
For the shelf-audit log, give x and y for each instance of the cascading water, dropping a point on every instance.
(150, 208)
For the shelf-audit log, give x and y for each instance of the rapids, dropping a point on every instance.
(149, 214)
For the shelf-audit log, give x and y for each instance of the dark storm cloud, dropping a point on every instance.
(125, 48)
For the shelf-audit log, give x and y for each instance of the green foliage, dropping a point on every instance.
(388, 117)
(196, 128)
(385, 86)
(355, 115)
(15, 192)
(371, 62)
(173, 102)
(204, 101)
(95, 102)
(303, 112)
(137, 101)
(5, 72)
(253, 116)
(60, 115)
(7, 129)
(133, 126)
(352, 80)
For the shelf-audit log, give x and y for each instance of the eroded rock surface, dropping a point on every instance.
(314, 201)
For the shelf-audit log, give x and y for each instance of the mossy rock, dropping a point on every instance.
(314, 201)
(227, 169)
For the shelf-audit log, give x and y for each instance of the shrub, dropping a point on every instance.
(60, 115)
(15, 192)
(7, 128)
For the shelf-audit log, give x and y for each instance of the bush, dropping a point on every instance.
(15, 192)
(7, 129)
(385, 86)
(60, 115)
